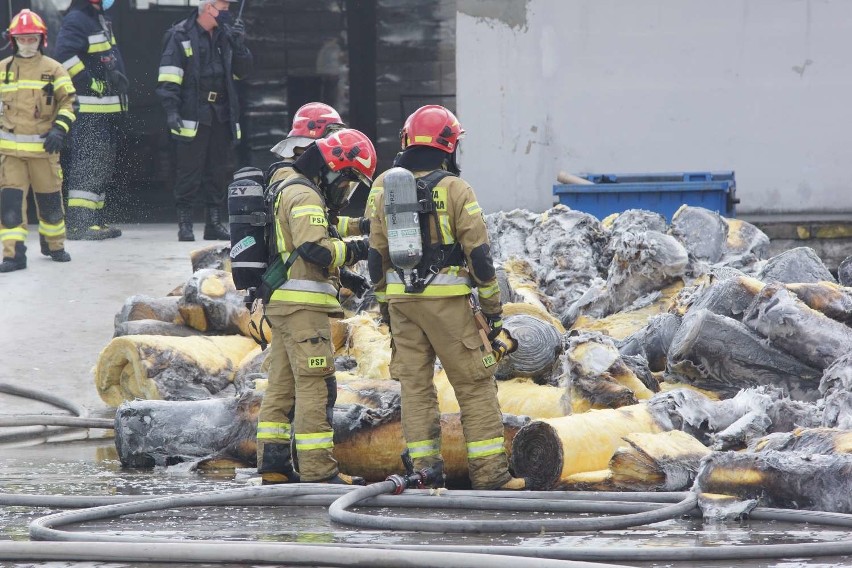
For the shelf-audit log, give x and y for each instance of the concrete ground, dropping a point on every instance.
(56, 317)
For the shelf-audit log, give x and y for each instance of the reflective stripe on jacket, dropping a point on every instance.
(82, 47)
(36, 94)
(178, 80)
(300, 218)
(459, 220)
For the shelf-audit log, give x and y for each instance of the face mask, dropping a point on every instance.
(223, 18)
(107, 4)
(338, 189)
(27, 50)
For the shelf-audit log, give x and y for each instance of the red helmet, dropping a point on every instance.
(312, 121)
(432, 125)
(349, 149)
(27, 22)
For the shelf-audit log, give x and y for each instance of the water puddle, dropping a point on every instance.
(91, 467)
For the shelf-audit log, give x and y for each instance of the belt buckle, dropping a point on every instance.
(212, 96)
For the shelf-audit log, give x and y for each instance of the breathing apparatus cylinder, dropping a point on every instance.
(402, 215)
(248, 218)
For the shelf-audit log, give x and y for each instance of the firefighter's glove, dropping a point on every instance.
(54, 140)
(502, 344)
(355, 282)
(384, 310)
(98, 86)
(237, 35)
(364, 226)
(118, 81)
(495, 322)
(173, 121)
(356, 250)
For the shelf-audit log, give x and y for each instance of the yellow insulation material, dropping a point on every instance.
(590, 439)
(522, 282)
(143, 366)
(536, 311)
(623, 324)
(642, 464)
(521, 397)
(369, 344)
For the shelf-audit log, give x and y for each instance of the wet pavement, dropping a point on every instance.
(55, 320)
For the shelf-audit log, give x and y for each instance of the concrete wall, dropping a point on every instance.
(763, 87)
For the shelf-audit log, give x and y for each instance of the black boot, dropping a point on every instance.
(276, 465)
(17, 262)
(185, 225)
(55, 255)
(60, 256)
(110, 232)
(81, 225)
(214, 230)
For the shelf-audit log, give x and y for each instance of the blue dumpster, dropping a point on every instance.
(660, 192)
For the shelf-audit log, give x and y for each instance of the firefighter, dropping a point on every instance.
(202, 57)
(38, 105)
(312, 121)
(299, 400)
(86, 47)
(437, 320)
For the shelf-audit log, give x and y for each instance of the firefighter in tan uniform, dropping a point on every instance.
(311, 122)
(38, 105)
(437, 320)
(300, 292)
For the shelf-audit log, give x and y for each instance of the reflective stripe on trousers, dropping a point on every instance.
(274, 431)
(85, 199)
(315, 441)
(424, 448)
(485, 448)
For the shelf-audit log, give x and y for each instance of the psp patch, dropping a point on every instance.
(489, 360)
(317, 362)
(318, 220)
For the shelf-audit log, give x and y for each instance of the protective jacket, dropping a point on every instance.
(301, 227)
(36, 93)
(179, 77)
(459, 233)
(346, 226)
(86, 47)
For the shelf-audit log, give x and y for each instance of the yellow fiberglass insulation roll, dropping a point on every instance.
(168, 368)
(521, 397)
(546, 451)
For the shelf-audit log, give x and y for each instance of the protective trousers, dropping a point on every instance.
(204, 161)
(89, 161)
(299, 400)
(445, 327)
(44, 175)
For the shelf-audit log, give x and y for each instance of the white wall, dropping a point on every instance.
(762, 87)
